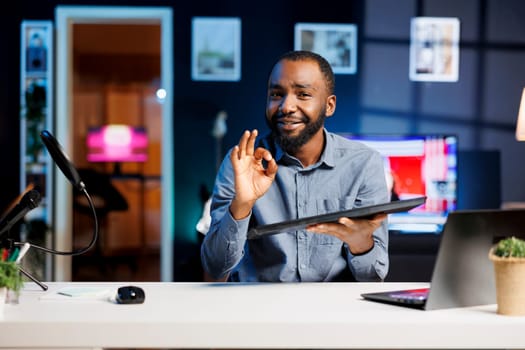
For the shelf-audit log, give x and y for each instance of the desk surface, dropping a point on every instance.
(208, 315)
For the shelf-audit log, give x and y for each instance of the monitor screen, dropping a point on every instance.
(418, 165)
(117, 143)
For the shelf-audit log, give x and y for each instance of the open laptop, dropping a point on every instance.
(463, 275)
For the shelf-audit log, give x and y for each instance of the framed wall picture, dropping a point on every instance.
(434, 49)
(216, 49)
(335, 42)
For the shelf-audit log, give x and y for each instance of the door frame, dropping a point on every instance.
(65, 17)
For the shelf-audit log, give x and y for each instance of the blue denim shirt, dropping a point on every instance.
(348, 175)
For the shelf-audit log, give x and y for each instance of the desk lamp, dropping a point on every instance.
(520, 125)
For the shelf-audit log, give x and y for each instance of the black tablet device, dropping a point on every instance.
(362, 212)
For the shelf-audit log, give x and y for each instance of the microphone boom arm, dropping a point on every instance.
(32, 198)
(78, 251)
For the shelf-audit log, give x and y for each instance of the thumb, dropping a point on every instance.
(271, 169)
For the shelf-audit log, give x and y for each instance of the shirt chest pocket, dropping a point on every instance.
(330, 205)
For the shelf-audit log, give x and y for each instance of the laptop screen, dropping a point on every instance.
(463, 275)
(407, 297)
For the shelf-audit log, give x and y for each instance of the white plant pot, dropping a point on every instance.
(3, 298)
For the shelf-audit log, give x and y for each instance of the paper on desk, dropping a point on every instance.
(79, 293)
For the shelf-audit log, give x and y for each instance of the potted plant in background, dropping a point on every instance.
(35, 104)
(10, 280)
(508, 257)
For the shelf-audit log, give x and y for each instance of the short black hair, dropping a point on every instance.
(324, 66)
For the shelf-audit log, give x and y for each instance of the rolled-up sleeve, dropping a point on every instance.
(223, 245)
(373, 265)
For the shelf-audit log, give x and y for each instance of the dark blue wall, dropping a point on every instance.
(267, 32)
(481, 108)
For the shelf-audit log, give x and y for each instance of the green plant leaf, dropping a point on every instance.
(10, 276)
(510, 247)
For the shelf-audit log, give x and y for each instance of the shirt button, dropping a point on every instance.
(303, 266)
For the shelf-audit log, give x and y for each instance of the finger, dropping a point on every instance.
(325, 228)
(318, 228)
(251, 142)
(262, 153)
(234, 156)
(345, 221)
(378, 218)
(242, 144)
(272, 167)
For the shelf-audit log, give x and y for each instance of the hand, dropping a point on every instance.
(252, 180)
(357, 233)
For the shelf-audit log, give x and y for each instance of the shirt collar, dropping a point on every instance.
(327, 157)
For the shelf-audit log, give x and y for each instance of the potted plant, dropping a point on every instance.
(10, 279)
(35, 104)
(508, 257)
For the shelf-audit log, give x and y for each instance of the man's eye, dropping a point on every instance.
(304, 95)
(275, 94)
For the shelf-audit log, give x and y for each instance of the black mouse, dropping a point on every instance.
(130, 295)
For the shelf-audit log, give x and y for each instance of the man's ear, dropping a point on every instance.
(330, 105)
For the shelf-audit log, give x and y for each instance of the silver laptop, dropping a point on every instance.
(463, 275)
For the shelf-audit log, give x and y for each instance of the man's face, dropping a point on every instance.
(298, 103)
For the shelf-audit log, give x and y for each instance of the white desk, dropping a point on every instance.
(200, 315)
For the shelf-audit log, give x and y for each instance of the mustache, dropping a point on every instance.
(279, 115)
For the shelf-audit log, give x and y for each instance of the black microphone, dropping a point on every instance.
(70, 172)
(62, 160)
(29, 201)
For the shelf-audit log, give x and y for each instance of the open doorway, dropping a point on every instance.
(113, 66)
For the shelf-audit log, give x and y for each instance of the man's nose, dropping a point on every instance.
(288, 105)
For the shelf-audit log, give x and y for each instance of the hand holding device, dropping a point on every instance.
(356, 213)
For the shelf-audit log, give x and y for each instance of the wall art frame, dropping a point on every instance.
(434, 49)
(216, 49)
(337, 43)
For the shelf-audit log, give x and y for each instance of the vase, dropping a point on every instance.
(3, 298)
(510, 284)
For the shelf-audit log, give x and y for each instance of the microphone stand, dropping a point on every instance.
(33, 278)
(58, 155)
(27, 245)
(10, 244)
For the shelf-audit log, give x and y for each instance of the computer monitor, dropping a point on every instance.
(418, 165)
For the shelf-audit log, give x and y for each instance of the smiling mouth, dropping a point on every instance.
(289, 125)
(289, 122)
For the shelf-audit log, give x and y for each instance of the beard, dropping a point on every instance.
(291, 144)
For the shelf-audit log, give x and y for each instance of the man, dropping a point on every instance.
(299, 170)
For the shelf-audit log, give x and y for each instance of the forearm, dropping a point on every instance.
(373, 265)
(240, 210)
(223, 246)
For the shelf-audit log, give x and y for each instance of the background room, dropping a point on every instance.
(380, 93)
